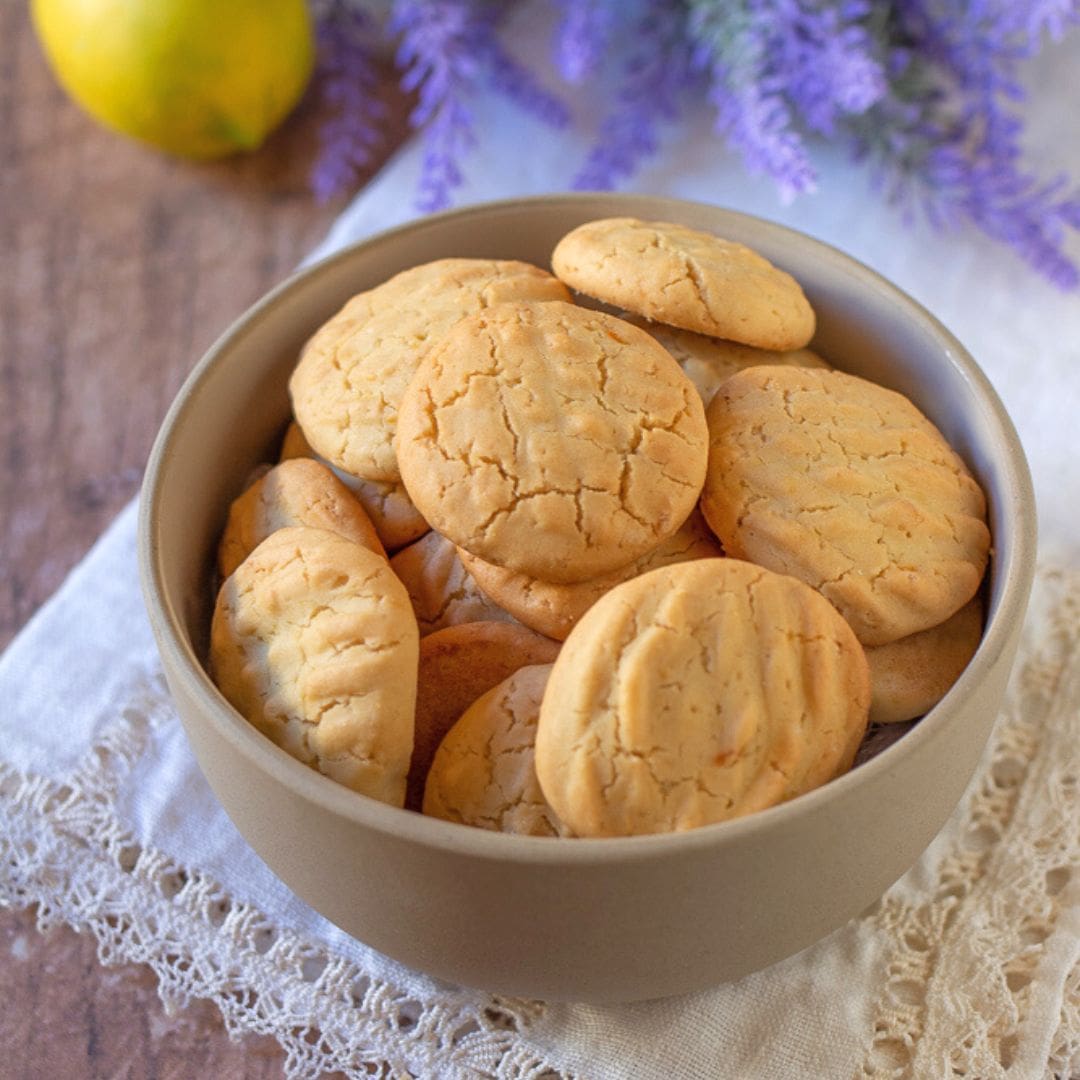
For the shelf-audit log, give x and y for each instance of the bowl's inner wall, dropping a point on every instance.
(240, 398)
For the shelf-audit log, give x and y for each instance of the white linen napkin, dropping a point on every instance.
(972, 961)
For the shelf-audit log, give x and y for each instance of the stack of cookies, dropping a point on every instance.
(650, 567)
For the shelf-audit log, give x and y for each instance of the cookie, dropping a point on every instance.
(709, 361)
(910, 676)
(314, 642)
(351, 375)
(553, 610)
(483, 773)
(697, 693)
(457, 665)
(296, 492)
(553, 440)
(845, 485)
(442, 591)
(687, 278)
(388, 505)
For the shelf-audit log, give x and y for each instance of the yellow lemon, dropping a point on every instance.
(197, 78)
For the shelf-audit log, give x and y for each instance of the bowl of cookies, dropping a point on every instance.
(588, 597)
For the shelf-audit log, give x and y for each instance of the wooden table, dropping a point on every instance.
(119, 267)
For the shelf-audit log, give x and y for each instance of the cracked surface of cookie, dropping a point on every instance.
(387, 504)
(553, 440)
(457, 665)
(297, 492)
(847, 486)
(910, 676)
(442, 591)
(697, 693)
(553, 610)
(348, 383)
(314, 642)
(686, 278)
(708, 361)
(483, 773)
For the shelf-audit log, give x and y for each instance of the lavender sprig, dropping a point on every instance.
(655, 77)
(440, 63)
(946, 139)
(445, 46)
(347, 83)
(582, 37)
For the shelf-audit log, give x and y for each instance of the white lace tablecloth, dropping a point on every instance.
(969, 966)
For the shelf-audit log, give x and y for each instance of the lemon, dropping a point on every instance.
(196, 78)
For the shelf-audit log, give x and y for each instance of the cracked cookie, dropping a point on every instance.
(388, 505)
(346, 388)
(697, 693)
(314, 642)
(483, 773)
(457, 665)
(297, 492)
(848, 487)
(910, 676)
(442, 591)
(687, 278)
(552, 440)
(708, 361)
(553, 610)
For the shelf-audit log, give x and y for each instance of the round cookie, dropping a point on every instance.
(442, 591)
(314, 642)
(697, 693)
(553, 610)
(553, 440)
(683, 277)
(483, 773)
(351, 375)
(457, 665)
(296, 492)
(708, 361)
(848, 487)
(910, 676)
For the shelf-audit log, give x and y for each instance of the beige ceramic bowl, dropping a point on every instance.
(599, 920)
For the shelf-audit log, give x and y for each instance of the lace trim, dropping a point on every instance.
(979, 960)
(63, 848)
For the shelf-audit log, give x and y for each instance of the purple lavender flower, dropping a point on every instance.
(655, 77)
(346, 80)
(946, 139)
(444, 48)
(439, 61)
(582, 37)
(752, 111)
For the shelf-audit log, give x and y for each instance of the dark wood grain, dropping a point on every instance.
(118, 267)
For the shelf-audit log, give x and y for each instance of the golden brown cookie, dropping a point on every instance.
(297, 492)
(708, 361)
(483, 773)
(457, 665)
(687, 278)
(910, 676)
(848, 487)
(351, 375)
(388, 505)
(442, 591)
(313, 640)
(696, 693)
(553, 610)
(552, 440)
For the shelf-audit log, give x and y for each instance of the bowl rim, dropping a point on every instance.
(1015, 575)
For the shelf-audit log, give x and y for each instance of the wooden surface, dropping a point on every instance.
(118, 267)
